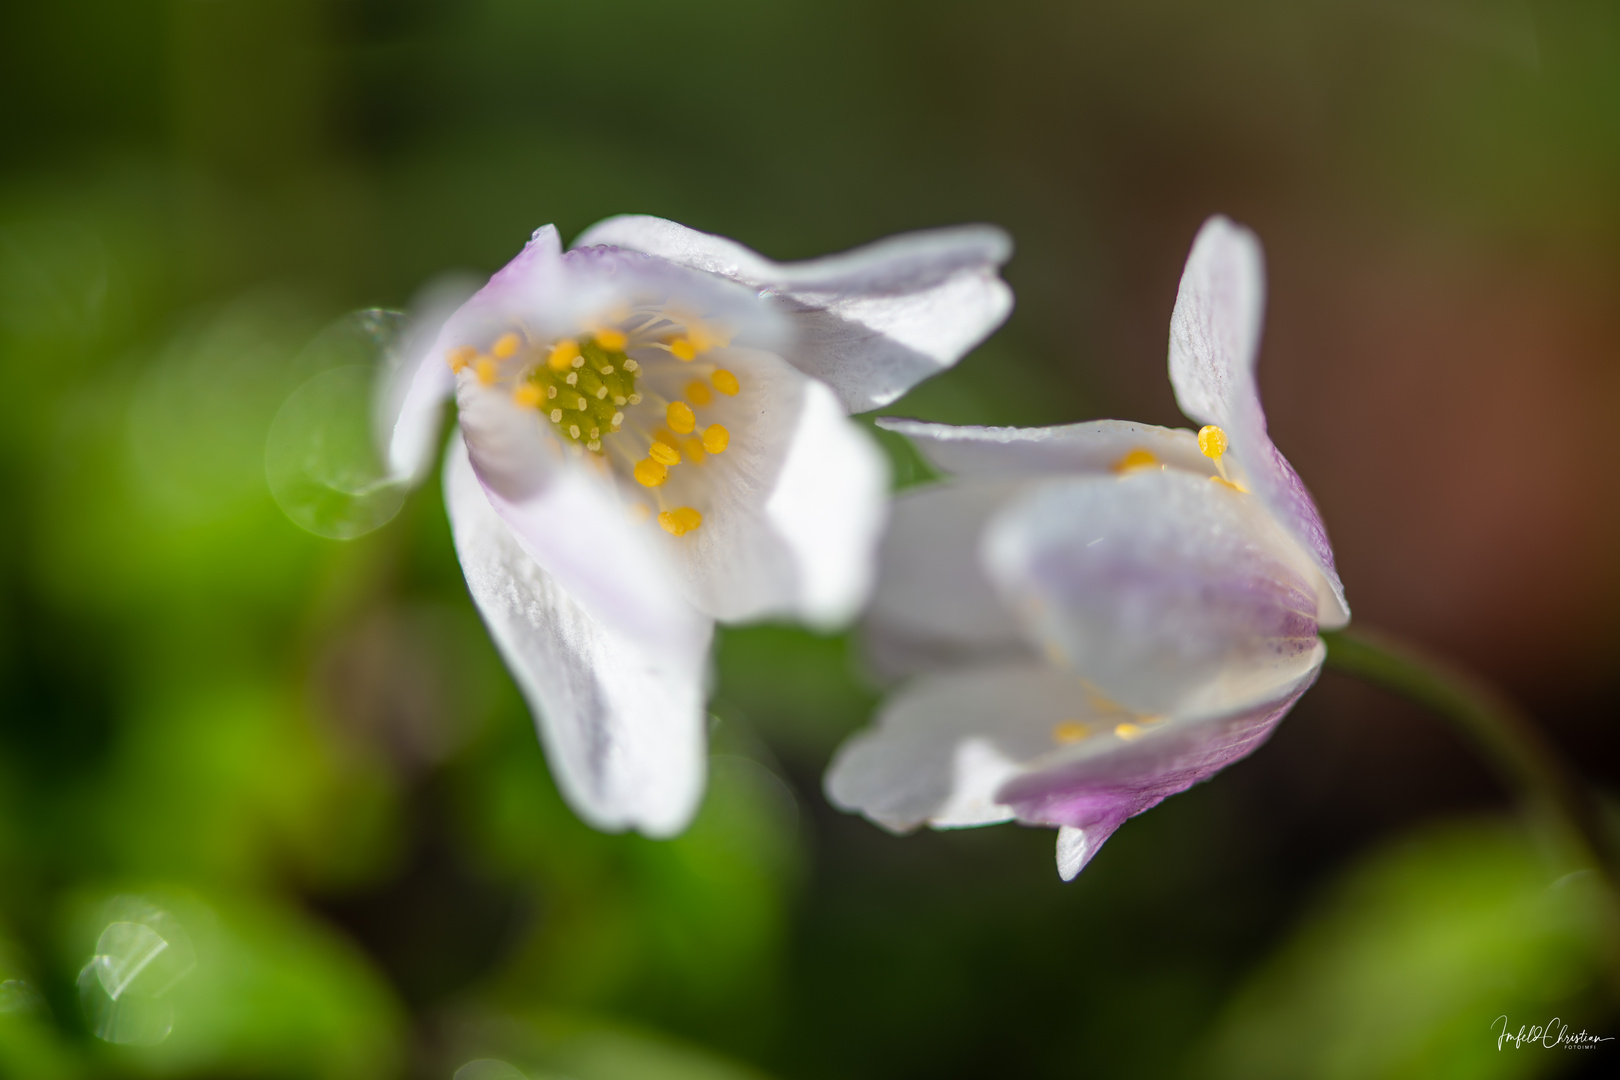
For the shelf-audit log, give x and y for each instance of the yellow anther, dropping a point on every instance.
(460, 356)
(680, 522)
(693, 449)
(701, 337)
(664, 454)
(683, 349)
(1212, 442)
(506, 346)
(699, 393)
(528, 395)
(612, 340)
(681, 417)
(716, 438)
(650, 473)
(1070, 731)
(563, 354)
(1136, 459)
(484, 367)
(1129, 731)
(725, 382)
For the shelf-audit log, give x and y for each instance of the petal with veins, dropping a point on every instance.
(623, 725)
(793, 508)
(1214, 344)
(1173, 594)
(871, 323)
(1097, 446)
(945, 744)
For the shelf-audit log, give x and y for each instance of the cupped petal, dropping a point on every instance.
(622, 724)
(1214, 344)
(945, 744)
(871, 323)
(1097, 446)
(567, 515)
(794, 507)
(935, 606)
(1173, 594)
(1089, 795)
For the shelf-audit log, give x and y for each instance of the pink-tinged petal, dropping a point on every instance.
(570, 520)
(945, 744)
(871, 323)
(792, 510)
(1098, 446)
(1214, 344)
(1173, 594)
(622, 724)
(1092, 794)
(934, 606)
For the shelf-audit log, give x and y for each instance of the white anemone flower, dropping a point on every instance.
(653, 435)
(1102, 614)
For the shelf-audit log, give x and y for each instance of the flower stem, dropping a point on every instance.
(1496, 727)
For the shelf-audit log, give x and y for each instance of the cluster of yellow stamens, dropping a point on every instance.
(584, 385)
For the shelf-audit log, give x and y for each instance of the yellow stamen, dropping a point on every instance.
(528, 395)
(1136, 459)
(1212, 442)
(681, 418)
(681, 521)
(1070, 731)
(1239, 488)
(612, 340)
(716, 438)
(460, 356)
(650, 473)
(563, 354)
(1129, 731)
(725, 382)
(484, 367)
(683, 350)
(506, 346)
(664, 454)
(693, 449)
(699, 393)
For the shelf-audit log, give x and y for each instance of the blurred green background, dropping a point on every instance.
(299, 764)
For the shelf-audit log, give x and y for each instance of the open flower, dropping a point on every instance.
(653, 436)
(1103, 614)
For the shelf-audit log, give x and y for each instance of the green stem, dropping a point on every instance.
(1496, 727)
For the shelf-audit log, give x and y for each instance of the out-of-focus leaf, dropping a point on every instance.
(259, 989)
(548, 1045)
(1403, 969)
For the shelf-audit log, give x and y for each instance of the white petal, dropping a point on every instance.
(794, 506)
(1173, 594)
(1214, 344)
(1074, 850)
(1093, 447)
(945, 744)
(935, 606)
(872, 322)
(410, 397)
(568, 517)
(623, 725)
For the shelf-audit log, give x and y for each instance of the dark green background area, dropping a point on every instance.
(308, 753)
